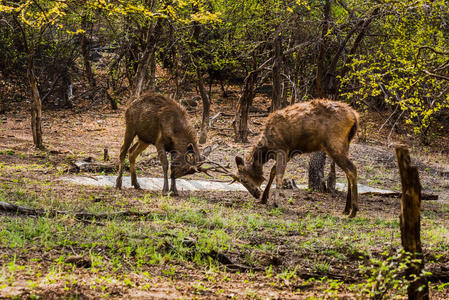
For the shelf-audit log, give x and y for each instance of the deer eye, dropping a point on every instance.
(190, 158)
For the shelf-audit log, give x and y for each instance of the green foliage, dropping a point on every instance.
(402, 64)
(385, 277)
(400, 60)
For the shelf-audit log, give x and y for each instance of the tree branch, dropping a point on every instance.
(436, 75)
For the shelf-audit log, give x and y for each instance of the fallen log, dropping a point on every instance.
(399, 195)
(342, 277)
(12, 208)
(260, 115)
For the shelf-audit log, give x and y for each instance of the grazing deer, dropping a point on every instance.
(302, 128)
(162, 122)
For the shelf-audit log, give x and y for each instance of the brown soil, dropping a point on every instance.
(70, 135)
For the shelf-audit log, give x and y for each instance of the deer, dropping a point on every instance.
(317, 125)
(162, 122)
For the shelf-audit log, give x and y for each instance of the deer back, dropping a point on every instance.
(155, 117)
(310, 126)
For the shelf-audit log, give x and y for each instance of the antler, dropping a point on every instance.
(217, 167)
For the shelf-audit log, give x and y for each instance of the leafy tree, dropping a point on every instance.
(407, 63)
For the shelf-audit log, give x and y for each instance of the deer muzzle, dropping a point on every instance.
(253, 189)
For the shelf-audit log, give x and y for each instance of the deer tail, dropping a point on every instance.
(354, 127)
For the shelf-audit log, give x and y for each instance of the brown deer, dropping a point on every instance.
(164, 123)
(317, 125)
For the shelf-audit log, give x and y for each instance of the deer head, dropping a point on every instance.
(185, 162)
(249, 176)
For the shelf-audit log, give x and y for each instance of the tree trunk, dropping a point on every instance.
(327, 85)
(153, 34)
(85, 53)
(36, 105)
(318, 160)
(277, 94)
(151, 84)
(410, 223)
(240, 122)
(316, 172)
(67, 90)
(357, 42)
(206, 107)
(111, 99)
(331, 179)
(320, 71)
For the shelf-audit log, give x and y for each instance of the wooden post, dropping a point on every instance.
(410, 223)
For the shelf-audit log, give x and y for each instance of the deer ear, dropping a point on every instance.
(239, 162)
(190, 148)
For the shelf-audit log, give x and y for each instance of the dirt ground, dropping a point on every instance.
(307, 233)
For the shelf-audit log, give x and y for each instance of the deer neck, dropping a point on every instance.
(258, 158)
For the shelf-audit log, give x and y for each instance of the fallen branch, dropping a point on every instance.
(341, 277)
(12, 208)
(88, 165)
(230, 265)
(7, 207)
(216, 116)
(438, 274)
(221, 128)
(260, 115)
(399, 195)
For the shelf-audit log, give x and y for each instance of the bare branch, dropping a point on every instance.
(431, 49)
(436, 75)
(6, 22)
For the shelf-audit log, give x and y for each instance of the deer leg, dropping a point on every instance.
(348, 198)
(354, 194)
(281, 163)
(164, 161)
(351, 174)
(129, 137)
(173, 188)
(134, 151)
(266, 192)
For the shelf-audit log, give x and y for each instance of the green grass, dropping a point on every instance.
(186, 232)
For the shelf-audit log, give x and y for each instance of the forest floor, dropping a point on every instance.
(205, 244)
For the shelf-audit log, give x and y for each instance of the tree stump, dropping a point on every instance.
(410, 223)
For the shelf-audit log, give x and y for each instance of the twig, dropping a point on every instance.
(394, 125)
(395, 109)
